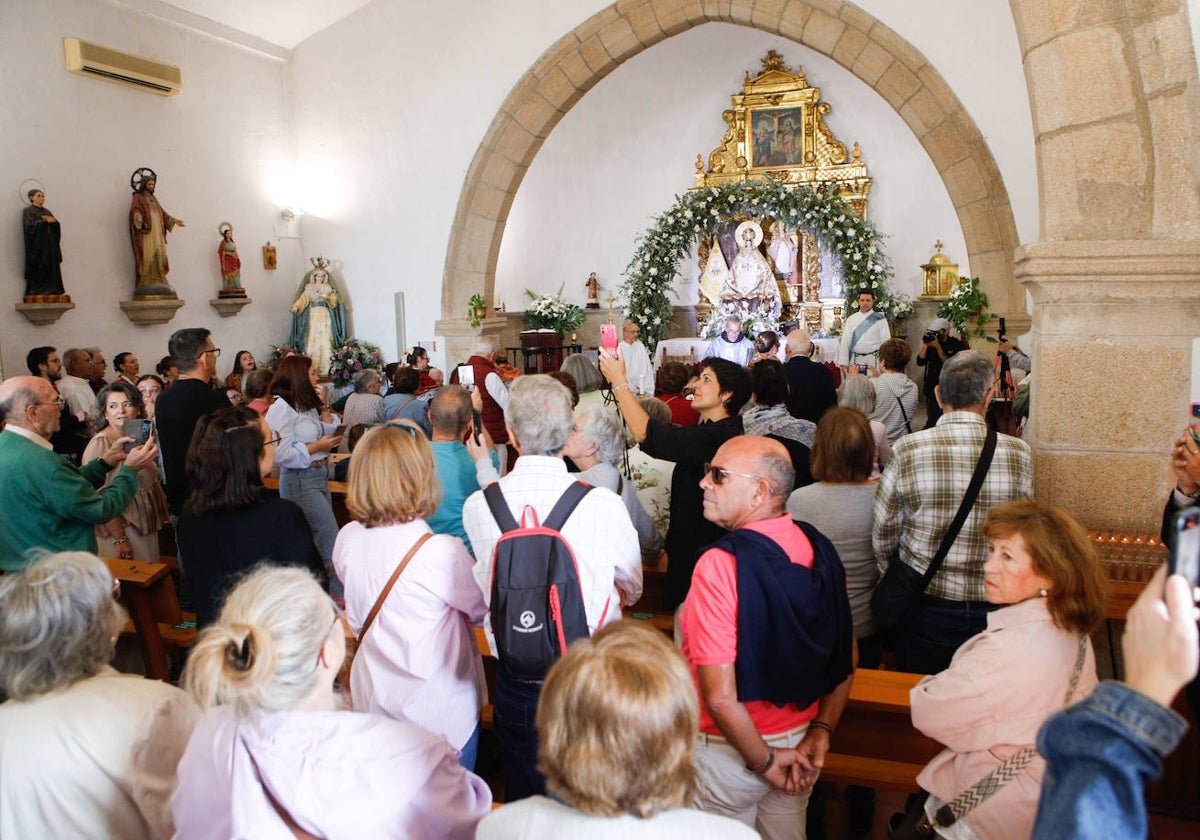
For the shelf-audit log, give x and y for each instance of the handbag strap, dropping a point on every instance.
(388, 587)
(1010, 768)
(903, 413)
(981, 468)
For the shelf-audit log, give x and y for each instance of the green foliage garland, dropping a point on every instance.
(651, 273)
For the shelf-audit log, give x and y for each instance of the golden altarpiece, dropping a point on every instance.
(776, 129)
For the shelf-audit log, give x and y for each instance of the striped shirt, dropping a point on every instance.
(920, 492)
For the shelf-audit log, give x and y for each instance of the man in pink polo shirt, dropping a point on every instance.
(768, 636)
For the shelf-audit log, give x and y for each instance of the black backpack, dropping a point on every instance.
(537, 602)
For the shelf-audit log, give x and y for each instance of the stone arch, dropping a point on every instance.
(856, 40)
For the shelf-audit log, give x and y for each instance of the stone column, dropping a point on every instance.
(1114, 323)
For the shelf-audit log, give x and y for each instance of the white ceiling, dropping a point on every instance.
(284, 23)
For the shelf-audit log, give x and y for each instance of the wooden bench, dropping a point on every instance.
(875, 743)
(148, 594)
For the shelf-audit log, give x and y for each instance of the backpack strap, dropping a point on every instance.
(566, 505)
(499, 508)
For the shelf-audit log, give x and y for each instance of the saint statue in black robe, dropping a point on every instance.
(43, 274)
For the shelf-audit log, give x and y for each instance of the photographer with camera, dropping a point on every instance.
(937, 345)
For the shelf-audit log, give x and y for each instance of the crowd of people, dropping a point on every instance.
(336, 684)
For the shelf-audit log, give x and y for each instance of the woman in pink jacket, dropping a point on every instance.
(1002, 685)
(273, 756)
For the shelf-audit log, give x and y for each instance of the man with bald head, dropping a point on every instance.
(46, 502)
(811, 389)
(637, 361)
(767, 633)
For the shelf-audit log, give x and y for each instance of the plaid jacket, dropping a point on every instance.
(920, 492)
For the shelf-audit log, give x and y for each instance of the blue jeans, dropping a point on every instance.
(470, 751)
(515, 714)
(309, 488)
(1100, 754)
(935, 630)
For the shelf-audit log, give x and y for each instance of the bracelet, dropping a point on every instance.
(767, 764)
(820, 724)
(119, 540)
(619, 387)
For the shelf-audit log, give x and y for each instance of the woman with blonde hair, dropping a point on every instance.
(617, 721)
(418, 660)
(274, 757)
(1033, 659)
(84, 751)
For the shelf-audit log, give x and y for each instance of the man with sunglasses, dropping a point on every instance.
(46, 502)
(767, 633)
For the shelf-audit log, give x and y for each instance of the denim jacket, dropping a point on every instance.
(1100, 754)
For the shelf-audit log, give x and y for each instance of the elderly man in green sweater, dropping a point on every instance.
(45, 501)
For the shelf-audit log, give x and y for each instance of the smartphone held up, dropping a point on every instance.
(1185, 549)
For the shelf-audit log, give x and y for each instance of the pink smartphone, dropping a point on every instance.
(608, 338)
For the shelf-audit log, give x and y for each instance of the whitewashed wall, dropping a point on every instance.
(221, 149)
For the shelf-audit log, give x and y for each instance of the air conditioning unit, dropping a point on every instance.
(102, 63)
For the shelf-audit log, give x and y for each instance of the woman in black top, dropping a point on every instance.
(230, 523)
(718, 394)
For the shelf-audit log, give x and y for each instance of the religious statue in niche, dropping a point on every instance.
(318, 316)
(149, 225)
(231, 263)
(593, 290)
(43, 254)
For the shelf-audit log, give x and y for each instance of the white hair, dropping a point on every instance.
(58, 623)
(601, 427)
(539, 411)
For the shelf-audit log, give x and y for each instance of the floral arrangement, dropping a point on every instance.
(651, 273)
(897, 307)
(351, 356)
(278, 351)
(553, 313)
(966, 308)
(752, 324)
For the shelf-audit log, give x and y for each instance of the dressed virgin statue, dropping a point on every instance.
(751, 288)
(318, 317)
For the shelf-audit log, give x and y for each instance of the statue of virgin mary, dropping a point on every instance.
(318, 317)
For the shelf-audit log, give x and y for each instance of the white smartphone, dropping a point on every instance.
(466, 376)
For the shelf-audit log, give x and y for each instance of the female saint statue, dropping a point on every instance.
(231, 263)
(318, 317)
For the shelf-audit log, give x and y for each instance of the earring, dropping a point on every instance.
(1042, 593)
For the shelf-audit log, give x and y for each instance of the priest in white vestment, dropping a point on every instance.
(637, 361)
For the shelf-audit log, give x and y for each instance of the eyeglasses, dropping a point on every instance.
(720, 475)
(116, 590)
(216, 351)
(412, 430)
(274, 440)
(58, 403)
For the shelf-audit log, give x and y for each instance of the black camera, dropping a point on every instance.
(929, 336)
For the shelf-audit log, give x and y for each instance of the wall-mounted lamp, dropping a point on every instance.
(290, 228)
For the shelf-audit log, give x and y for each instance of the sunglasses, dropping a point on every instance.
(720, 475)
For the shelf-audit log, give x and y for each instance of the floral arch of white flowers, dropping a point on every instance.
(651, 273)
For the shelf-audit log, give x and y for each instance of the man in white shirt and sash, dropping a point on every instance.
(862, 334)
